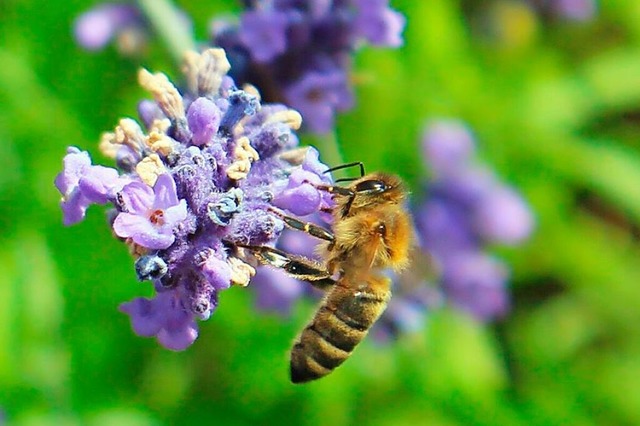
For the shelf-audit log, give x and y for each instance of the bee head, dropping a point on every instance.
(379, 187)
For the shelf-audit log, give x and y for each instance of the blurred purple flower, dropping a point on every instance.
(300, 52)
(577, 10)
(574, 10)
(378, 24)
(476, 283)
(95, 28)
(503, 217)
(317, 95)
(448, 146)
(264, 32)
(276, 291)
(466, 207)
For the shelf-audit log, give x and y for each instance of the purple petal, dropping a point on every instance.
(128, 224)
(178, 339)
(165, 192)
(475, 282)
(380, 25)
(263, 32)
(447, 146)
(577, 10)
(95, 28)
(74, 208)
(275, 290)
(503, 217)
(204, 118)
(97, 183)
(137, 197)
(141, 231)
(317, 95)
(75, 164)
(145, 320)
(301, 201)
(313, 164)
(174, 215)
(443, 227)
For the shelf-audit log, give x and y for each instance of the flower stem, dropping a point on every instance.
(171, 27)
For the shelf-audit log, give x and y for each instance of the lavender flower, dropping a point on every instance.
(95, 28)
(300, 51)
(149, 216)
(574, 10)
(194, 188)
(467, 207)
(82, 184)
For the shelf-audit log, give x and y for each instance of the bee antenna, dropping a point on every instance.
(351, 179)
(347, 165)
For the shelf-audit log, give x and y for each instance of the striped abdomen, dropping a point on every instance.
(342, 321)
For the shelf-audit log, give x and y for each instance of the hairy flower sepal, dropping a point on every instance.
(149, 216)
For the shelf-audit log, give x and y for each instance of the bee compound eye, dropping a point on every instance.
(371, 186)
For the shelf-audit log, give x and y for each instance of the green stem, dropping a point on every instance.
(165, 20)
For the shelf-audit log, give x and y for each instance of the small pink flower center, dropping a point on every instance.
(157, 217)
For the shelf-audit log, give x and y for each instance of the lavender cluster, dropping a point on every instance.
(466, 209)
(296, 52)
(574, 10)
(299, 52)
(207, 174)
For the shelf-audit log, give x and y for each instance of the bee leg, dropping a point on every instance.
(340, 190)
(298, 267)
(308, 227)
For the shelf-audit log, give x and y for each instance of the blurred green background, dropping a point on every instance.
(555, 105)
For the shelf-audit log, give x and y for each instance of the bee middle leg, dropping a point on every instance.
(296, 266)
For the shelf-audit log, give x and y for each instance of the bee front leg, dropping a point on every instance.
(308, 227)
(296, 266)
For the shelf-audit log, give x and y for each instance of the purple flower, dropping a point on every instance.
(300, 52)
(442, 227)
(577, 10)
(204, 118)
(264, 33)
(164, 317)
(475, 283)
(276, 291)
(82, 184)
(447, 146)
(196, 185)
(378, 24)
(503, 217)
(466, 207)
(94, 29)
(317, 95)
(149, 216)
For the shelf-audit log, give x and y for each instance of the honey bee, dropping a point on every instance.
(371, 232)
